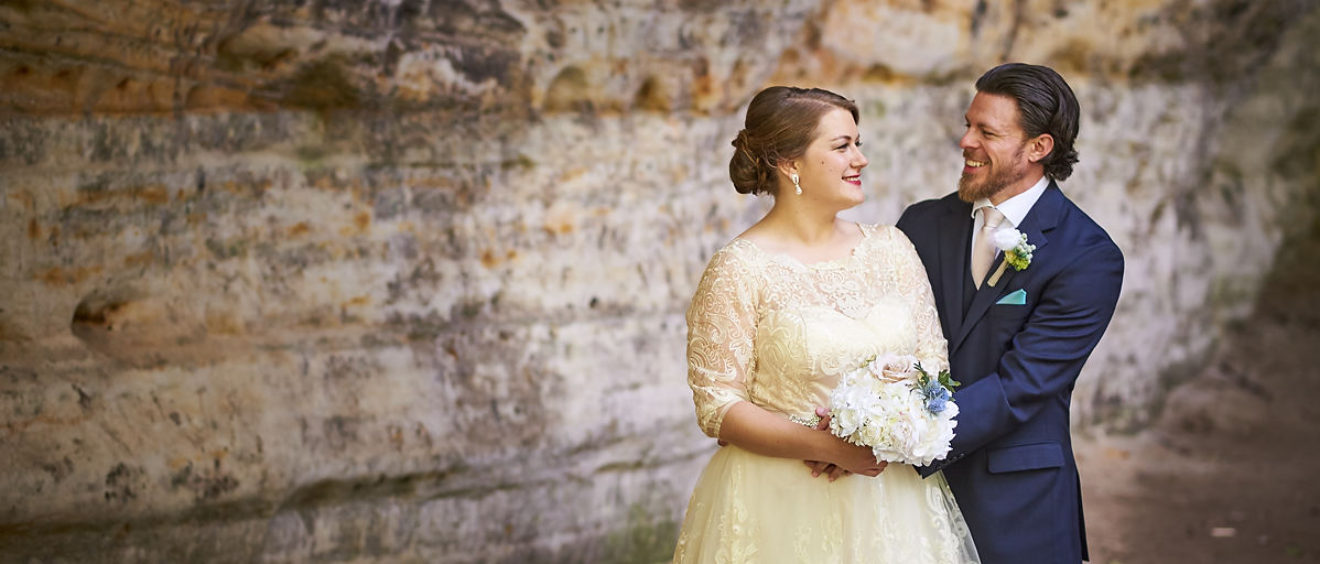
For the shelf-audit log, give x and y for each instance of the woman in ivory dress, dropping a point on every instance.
(779, 314)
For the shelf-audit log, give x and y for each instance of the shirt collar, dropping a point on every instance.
(1015, 209)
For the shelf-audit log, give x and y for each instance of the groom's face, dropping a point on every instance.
(994, 149)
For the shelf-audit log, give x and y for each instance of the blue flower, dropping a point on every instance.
(937, 396)
(937, 405)
(937, 391)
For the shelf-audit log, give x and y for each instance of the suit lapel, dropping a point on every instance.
(956, 225)
(1044, 215)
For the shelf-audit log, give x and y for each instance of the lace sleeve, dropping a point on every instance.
(721, 324)
(915, 286)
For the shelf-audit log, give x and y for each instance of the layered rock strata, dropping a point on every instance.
(405, 279)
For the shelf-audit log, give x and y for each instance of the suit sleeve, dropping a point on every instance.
(1046, 356)
(911, 218)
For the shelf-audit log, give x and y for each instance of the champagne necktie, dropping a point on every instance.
(983, 250)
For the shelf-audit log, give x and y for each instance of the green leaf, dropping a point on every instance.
(947, 380)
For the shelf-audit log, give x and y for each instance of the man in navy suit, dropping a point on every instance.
(1017, 339)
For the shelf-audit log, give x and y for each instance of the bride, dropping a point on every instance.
(780, 313)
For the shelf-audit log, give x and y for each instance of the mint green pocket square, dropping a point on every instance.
(1016, 298)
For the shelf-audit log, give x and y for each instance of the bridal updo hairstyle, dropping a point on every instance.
(781, 122)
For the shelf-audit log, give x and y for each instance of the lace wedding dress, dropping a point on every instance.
(768, 329)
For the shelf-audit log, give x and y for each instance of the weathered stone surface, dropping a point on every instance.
(162, 56)
(405, 279)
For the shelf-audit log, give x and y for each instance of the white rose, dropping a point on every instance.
(1006, 239)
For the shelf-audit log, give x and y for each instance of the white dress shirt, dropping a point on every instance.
(1014, 209)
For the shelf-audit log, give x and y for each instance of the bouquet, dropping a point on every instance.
(894, 406)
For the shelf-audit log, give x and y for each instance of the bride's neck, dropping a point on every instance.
(802, 226)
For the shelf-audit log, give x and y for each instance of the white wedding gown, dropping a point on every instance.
(767, 329)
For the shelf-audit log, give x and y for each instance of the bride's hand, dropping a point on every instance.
(832, 471)
(859, 460)
(851, 462)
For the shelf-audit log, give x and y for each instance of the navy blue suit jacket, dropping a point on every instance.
(1011, 466)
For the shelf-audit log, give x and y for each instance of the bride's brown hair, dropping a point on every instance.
(781, 122)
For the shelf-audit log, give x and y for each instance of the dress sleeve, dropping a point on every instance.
(721, 324)
(915, 286)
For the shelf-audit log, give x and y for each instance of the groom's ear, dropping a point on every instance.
(1040, 147)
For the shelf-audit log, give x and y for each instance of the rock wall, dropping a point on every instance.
(298, 280)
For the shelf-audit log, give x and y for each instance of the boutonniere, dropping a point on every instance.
(1016, 249)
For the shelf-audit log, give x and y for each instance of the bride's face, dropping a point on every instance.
(831, 169)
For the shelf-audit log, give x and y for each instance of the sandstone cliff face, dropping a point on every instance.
(405, 279)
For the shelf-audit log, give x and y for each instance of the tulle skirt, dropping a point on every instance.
(752, 508)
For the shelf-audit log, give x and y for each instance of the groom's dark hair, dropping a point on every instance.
(1046, 105)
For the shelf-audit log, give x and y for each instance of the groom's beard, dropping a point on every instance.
(1000, 178)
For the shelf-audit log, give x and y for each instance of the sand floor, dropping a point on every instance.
(1230, 469)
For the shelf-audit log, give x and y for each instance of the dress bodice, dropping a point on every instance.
(768, 329)
(801, 353)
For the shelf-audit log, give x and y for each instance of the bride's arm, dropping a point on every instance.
(721, 353)
(762, 432)
(721, 323)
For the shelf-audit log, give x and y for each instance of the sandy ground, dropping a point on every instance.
(1228, 471)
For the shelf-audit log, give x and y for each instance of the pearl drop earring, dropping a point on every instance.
(796, 187)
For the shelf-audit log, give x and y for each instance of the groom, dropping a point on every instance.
(1017, 337)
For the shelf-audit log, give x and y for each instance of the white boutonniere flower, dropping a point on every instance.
(1017, 252)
